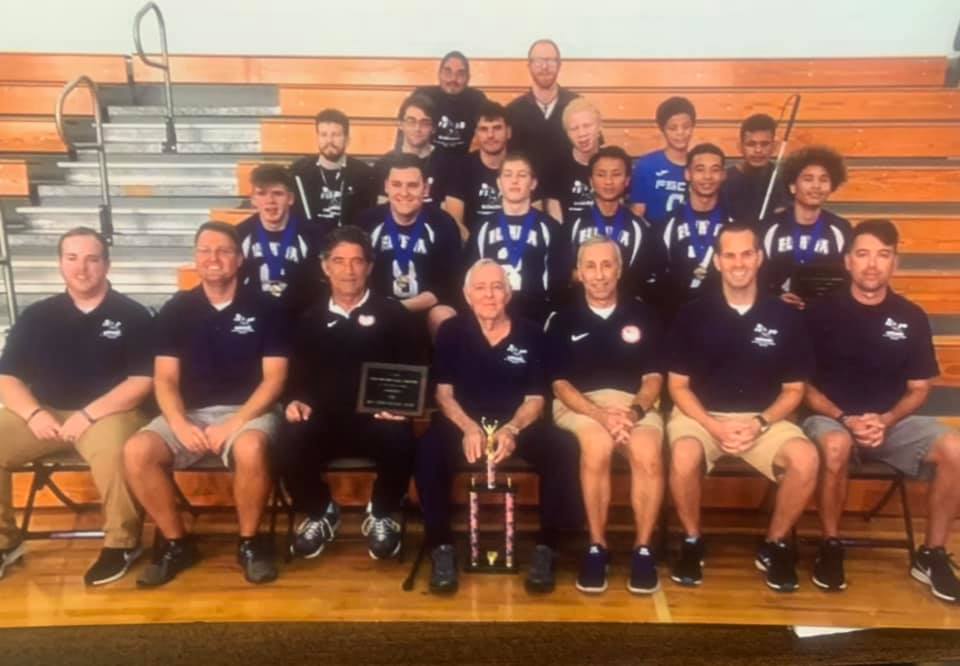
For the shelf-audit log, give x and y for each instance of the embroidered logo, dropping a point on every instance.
(242, 325)
(631, 334)
(577, 337)
(515, 355)
(366, 320)
(765, 337)
(895, 330)
(331, 324)
(662, 172)
(111, 330)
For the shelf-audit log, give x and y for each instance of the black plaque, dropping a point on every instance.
(392, 387)
(811, 281)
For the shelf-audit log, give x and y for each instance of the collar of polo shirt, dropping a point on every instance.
(336, 309)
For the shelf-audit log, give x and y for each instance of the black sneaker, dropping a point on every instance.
(592, 578)
(10, 556)
(540, 578)
(170, 557)
(828, 567)
(934, 567)
(443, 572)
(315, 532)
(688, 569)
(256, 559)
(780, 564)
(111, 565)
(383, 536)
(643, 572)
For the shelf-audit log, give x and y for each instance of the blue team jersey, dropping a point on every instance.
(658, 183)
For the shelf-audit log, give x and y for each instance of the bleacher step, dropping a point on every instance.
(245, 148)
(149, 172)
(54, 219)
(186, 132)
(186, 113)
(222, 188)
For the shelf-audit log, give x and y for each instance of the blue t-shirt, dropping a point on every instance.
(658, 183)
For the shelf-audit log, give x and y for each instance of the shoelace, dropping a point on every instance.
(313, 528)
(383, 526)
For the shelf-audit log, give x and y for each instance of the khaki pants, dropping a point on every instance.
(101, 446)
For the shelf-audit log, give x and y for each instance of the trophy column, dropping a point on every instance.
(488, 559)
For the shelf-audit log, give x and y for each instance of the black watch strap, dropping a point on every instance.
(638, 410)
(764, 424)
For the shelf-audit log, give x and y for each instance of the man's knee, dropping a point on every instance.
(596, 449)
(799, 457)
(646, 453)
(144, 450)
(945, 452)
(249, 450)
(686, 456)
(835, 447)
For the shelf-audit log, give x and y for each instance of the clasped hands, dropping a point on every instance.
(868, 430)
(475, 444)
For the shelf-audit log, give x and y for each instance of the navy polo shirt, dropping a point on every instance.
(221, 352)
(866, 354)
(68, 358)
(489, 381)
(737, 363)
(594, 353)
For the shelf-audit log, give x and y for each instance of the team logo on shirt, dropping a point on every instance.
(765, 337)
(630, 334)
(785, 244)
(895, 330)
(577, 337)
(515, 355)
(111, 330)
(242, 325)
(662, 172)
(366, 320)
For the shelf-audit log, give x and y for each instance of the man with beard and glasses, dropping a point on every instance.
(457, 104)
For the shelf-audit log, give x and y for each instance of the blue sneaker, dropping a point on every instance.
(592, 578)
(643, 572)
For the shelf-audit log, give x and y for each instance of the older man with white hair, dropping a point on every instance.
(488, 365)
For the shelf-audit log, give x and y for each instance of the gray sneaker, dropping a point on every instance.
(315, 532)
(443, 572)
(383, 536)
(10, 556)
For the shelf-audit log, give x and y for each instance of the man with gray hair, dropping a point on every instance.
(489, 366)
(604, 363)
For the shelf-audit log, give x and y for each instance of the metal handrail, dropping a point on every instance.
(105, 209)
(6, 269)
(170, 143)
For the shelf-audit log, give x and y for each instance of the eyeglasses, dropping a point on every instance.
(545, 62)
(413, 123)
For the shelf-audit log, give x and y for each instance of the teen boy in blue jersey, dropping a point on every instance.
(489, 365)
(416, 247)
(658, 184)
(75, 369)
(806, 233)
(528, 243)
(604, 362)
(220, 366)
(747, 182)
(566, 187)
(738, 359)
(875, 362)
(457, 104)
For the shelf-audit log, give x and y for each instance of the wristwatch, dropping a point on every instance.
(512, 429)
(764, 424)
(638, 411)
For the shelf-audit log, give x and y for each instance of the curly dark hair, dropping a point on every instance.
(821, 156)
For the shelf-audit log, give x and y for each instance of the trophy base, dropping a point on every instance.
(485, 568)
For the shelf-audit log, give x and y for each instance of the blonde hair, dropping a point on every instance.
(578, 105)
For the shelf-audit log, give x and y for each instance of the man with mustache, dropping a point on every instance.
(457, 104)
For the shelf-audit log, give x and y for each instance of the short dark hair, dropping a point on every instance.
(490, 110)
(673, 106)
(820, 156)
(612, 153)
(227, 230)
(333, 116)
(418, 101)
(705, 149)
(758, 122)
(733, 228)
(85, 231)
(265, 175)
(543, 41)
(398, 160)
(348, 234)
(883, 230)
(450, 55)
(519, 156)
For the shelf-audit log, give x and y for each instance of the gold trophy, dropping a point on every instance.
(508, 491)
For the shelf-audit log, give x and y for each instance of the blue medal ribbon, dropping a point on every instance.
(404, 255)
(275, 261)
(515, 248)
(613, 231)
(816, 235)
(702, 242)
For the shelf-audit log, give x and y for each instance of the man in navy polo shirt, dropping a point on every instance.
(220, 366)
(566, 180)
(875, 362)
(456, 102)
(488, 365)
(416, 246)
(75, 369)
(604, 362)
(528, 243)
(332, 341)
(738, 360)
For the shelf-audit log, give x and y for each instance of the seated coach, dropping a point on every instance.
(603, 361)
(74, 372)
(332, 341)
(737, 362)
(875, 362)
(220, 365)
(489, 365)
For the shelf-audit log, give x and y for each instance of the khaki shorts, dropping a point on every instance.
(573, 421)
(760, 457)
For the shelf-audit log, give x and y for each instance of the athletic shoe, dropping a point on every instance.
(169, 559)
(540, 578)
(643, 572)
(779, 562)
(315, 532)
(828, 567)
(443, 572)
(592, 578)
(383, 537)
(688, 569)
(10, 556)
(111, 565)
(934, 567)
(255, 556)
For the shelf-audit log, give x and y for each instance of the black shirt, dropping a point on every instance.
(435, 261)
(221, 352)
(738, 363)
(441, 168)
(489, 381)
(335, 196)
(330, 347)
(866, 354)
(592, 352)
(787, 245)
(476, 186)
(300, 255)
(568, 181)
(743, 192)
(68, 359)
(543, 139)
(456, 116)
(688, 238)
